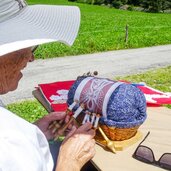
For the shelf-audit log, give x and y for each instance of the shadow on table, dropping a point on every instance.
(88, 167)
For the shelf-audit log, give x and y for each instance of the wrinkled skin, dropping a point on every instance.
(10, 69)
(79, 146)
(44, 123)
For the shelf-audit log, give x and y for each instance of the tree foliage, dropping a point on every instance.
(155, 5)
(134, 2)
(147, 5)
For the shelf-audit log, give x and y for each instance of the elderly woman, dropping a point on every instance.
(24, 146)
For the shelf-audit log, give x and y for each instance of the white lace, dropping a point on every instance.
(95, 93)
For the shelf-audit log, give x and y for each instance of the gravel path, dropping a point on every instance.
(108, 64)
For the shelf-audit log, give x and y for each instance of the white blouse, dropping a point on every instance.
(23, 147)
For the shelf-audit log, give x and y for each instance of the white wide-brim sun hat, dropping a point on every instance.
(23, 26)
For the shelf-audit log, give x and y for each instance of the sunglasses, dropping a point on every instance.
(33, 49)
(145, 154)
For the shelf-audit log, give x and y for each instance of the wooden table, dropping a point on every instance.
(158, 122)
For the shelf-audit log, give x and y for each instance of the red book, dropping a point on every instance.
(56, 94)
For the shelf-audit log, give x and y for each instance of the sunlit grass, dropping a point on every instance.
(103, 29)
(30, 110)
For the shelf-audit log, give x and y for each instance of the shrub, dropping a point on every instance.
(155, 5)
(130, 8)
(134, 2)
(99, 2)
(117, 4)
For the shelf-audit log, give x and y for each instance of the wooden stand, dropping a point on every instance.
(119, 145)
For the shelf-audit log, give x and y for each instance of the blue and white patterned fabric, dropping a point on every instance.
(126, 106)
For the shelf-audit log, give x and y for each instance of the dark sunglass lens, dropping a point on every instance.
(144, 154)
(33, 49)
(165, 161)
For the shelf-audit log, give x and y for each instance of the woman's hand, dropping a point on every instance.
(77, 148)
(44, 123)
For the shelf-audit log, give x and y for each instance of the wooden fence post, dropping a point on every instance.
(126, 33)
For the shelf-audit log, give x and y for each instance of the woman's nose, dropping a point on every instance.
(31, 58)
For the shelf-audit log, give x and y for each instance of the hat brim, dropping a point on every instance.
(38, 24)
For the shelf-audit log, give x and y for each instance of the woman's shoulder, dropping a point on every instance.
(10, 121)
(22, 144)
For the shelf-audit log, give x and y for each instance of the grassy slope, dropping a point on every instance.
(103, 29)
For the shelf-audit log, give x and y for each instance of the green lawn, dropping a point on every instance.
(160, 79)
(103, 29)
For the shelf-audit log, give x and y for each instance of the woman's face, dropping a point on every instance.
(10, 68)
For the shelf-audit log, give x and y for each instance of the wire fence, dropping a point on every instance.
(118, 29)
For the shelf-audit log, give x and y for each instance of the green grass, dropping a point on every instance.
(30, 110)
(160, 79)
(103, 29)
